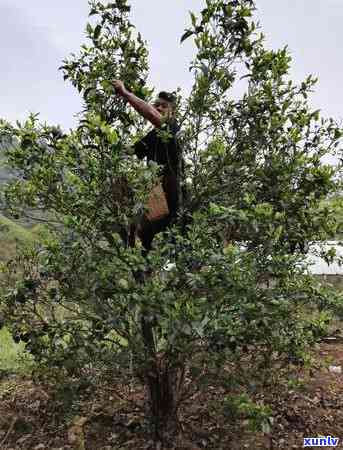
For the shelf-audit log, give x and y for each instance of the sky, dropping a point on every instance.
(36, 35)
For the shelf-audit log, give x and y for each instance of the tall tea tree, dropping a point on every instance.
(255, 182)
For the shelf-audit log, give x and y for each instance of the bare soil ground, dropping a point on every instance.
(33, 416)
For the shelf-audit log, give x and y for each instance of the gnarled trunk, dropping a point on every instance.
(164, 381)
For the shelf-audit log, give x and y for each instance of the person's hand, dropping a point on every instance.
(119, 87)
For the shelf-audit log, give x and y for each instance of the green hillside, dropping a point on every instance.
(10, 234)
(13, 358)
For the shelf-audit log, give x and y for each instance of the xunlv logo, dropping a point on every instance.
(327, 441)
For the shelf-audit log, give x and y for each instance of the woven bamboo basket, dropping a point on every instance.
(157, 204)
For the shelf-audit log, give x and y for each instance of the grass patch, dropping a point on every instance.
(11, 234)
(12, 231)
(13, 357)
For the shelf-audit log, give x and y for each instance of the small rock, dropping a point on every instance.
(113, 437)
(335, 369)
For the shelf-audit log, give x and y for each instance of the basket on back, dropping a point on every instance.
(157, 204)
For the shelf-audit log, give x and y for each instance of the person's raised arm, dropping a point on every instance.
(142, 107)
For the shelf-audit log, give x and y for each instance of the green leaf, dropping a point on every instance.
(123, 284)
(107, 86)
(89, 28)
(245, 12)
(227, 9)
(87, 91)
(193, 18)
(186, 35)
(97, 31)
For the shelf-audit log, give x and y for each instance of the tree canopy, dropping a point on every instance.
(255, 181)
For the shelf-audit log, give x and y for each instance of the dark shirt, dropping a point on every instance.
(160, 145)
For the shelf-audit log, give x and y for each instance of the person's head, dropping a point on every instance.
(166, 103)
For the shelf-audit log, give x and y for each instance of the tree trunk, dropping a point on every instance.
(163, 389)
(164, 380)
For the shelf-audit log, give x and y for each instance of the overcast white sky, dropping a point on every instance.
(37, 34)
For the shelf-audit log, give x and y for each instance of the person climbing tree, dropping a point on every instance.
(161, 146)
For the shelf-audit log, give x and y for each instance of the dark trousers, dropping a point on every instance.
(147, 230)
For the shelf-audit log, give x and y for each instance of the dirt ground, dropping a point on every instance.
(33, 417)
